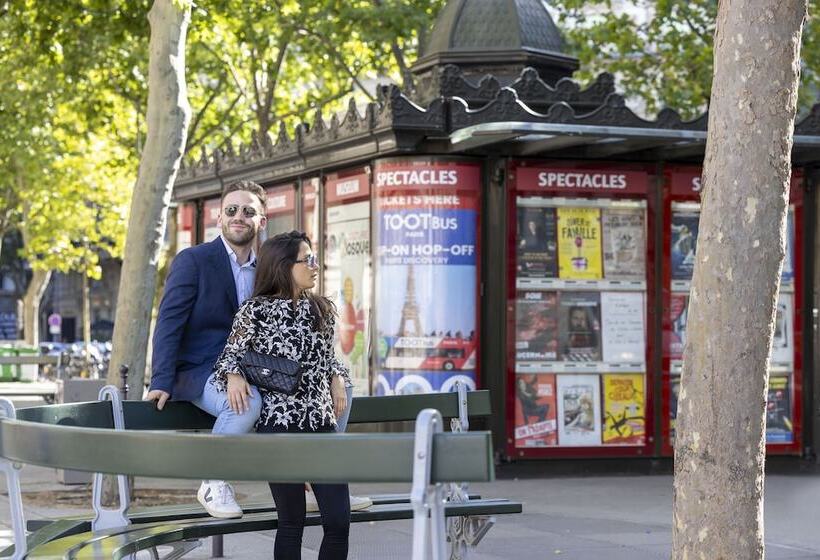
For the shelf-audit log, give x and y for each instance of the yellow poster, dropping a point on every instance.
(624, 412)
(579, 243)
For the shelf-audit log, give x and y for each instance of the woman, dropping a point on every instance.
(283, 318)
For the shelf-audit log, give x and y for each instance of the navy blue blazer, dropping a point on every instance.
(195, 318)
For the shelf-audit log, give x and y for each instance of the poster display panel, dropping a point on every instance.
(347, 282)
(426, 214)
(779, 428)
(624, 333)
(579, 410)
(535, 411)
(537, 248)
(579, 326)
(624, 409)
(536, 326)
(624, 243)
(310, 209)
(579, 243)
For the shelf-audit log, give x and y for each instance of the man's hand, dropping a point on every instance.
(238, 392)
(160, 396)
(338, 395)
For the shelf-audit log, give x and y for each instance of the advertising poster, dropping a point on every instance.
(310, 209)
(426, 274)
(210, 215)
(684, 243)
(624, 412)
(280, 209)
(624, 243)
(347, 283)
(579, 326)
(579, 410)
(579, 243)
(676, 336)
(537, 248)
(185, 226)
(779, 427)
(535, 410)
(787, 275)
(623, 326)
(674, 391)
(536, 326)
(783, 341)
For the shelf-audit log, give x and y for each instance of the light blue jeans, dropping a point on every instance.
(229, 422)
(341, 423)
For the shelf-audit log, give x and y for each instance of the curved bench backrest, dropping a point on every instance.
(141, 415)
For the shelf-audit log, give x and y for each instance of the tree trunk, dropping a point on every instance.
(31, 305)
(167, 122)
(720, 445)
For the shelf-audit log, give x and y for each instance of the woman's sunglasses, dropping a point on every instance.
(310, 261)
(247, 211)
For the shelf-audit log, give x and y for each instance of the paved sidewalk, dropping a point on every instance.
(597, 517)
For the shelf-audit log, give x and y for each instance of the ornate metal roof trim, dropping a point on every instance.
(508, 107)
(810, 124)
(531, 89)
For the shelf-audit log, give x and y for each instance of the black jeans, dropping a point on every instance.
(334, 506)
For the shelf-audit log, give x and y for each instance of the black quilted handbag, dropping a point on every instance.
(271, 373)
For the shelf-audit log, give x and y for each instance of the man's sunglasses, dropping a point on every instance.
(247, 211)
(310, 261)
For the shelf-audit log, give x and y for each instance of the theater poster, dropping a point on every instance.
(535, 410)
(347, 283)
(425, 225)
(579, 243)
(210, 216)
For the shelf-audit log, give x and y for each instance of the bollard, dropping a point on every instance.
(124, 381)
(217, 547)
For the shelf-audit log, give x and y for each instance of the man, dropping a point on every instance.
(205, 286)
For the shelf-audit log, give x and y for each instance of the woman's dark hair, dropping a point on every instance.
(274, 277)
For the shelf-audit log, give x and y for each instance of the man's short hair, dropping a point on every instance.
(248, 186)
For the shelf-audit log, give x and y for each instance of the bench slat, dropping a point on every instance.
(396, 408)
(118, 543)
(281, 457)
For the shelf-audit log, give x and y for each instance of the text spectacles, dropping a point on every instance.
(310, 261)
(247, 211)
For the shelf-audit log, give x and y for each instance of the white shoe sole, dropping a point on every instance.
(219, 514)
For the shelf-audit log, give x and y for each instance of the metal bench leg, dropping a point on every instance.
(12, 472)
(108, 518)
(464, 533)
(427, 498)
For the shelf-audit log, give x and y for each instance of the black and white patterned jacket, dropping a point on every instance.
(270, 325)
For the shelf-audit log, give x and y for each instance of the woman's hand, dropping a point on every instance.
(338, 394)
(238, 392)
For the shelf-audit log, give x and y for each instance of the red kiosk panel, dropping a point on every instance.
(681, 216)
(579, 310)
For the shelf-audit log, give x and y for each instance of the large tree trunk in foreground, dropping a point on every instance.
(167, 122)
(720, 446)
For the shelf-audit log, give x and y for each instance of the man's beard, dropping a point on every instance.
(240, 238)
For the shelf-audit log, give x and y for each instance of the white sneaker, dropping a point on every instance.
(217, 497)
(356, 502)
(359, 502)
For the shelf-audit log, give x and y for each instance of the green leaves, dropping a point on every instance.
(664, 57)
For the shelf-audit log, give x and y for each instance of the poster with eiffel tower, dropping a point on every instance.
(426, 275)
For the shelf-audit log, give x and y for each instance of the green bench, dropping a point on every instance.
(176, 524)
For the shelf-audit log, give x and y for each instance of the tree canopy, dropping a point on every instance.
(661, 56)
